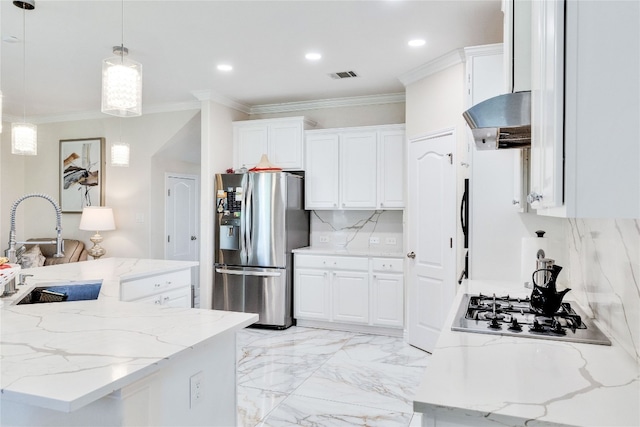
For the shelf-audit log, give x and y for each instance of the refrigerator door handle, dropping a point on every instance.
(248, 209)
(249, 273)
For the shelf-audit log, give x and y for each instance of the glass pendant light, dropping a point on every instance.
(24, 136)
(121, 82)
(120, 152)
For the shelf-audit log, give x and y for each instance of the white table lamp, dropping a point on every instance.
(97, 218)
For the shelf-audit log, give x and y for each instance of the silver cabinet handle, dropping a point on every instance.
(515, 202)
(411, 255)
(193, 237)
(534, 197)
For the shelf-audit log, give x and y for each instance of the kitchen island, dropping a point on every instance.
(113, 363)
(491, 380)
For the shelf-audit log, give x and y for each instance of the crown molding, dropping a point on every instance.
(355, 101)
(443, 62)
(209, 95)
(486, 49)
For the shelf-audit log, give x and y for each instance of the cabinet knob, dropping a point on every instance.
(381, 204)
(534, 197)
(157, 285)
(193, 237)
(515, 202)
(411, 255)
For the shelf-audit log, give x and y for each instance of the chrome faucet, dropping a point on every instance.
(11, 251)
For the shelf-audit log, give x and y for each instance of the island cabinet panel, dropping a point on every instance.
(171, 289)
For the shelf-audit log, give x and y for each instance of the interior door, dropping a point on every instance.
(430, 236)
(182, 210)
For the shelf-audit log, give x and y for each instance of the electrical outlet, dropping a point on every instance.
(195, 383)
(374, 240)
(324, 239)
(390, 240)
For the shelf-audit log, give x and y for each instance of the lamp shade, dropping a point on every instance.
(121, 87)
(97, 218)
(24, 139)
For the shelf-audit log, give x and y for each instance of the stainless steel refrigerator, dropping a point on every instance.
(260, 219)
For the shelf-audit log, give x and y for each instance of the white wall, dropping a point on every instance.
(129, 191)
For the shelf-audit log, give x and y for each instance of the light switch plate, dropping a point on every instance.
(390, 241)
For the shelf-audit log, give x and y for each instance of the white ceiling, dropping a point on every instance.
(180, 42)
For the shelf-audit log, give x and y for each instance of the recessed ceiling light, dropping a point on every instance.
(225, 67)
(313, 56)
(416, 42)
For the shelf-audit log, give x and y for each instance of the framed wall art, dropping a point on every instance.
(81, 178)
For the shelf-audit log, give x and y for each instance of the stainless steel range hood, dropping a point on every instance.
(500, 122)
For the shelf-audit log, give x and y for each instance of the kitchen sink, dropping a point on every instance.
(62, 292)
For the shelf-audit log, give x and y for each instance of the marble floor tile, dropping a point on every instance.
(372, 384)
(316, 377)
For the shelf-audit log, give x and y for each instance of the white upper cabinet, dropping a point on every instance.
(391, 169)
(358, 172)
(355, 168)
(585, 153)
(517, 45)
(321, 181)
(280, 139)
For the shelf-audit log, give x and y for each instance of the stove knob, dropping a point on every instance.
(515, 326)
(537, 327)
(556, 327)
(494, 324)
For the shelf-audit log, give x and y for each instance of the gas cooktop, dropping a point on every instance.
(505, 315)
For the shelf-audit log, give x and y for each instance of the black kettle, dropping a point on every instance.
(545, 299)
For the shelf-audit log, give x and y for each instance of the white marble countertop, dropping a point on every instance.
(63, 356)
(522, 381)
(341, 251)
(110, 270)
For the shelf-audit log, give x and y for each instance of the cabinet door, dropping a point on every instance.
(358, 173)
(250, 143)
(285, 145)
(547, 105)
(391, 170)
(177, 298)
(322, 171)
(350, 294)
(311, 294)
(387, 300)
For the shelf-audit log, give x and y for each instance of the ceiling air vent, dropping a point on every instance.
(343, 75)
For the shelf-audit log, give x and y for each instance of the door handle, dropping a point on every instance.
(193, 237)
(411, 255)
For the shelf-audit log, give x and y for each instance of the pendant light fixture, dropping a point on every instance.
(120, 151)
(24, 136)
(121, 82)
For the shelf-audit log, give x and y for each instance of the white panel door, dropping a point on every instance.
(322, 178)
(182, 208)
(285, 145)
(430, 237)
(358, 157)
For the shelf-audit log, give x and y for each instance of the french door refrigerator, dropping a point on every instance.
(260, 219)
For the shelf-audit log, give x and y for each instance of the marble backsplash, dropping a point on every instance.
(604, 270)
(354, 230)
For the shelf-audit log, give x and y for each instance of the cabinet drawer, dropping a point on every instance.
(332, 262)
(387, 264)
(147, 286)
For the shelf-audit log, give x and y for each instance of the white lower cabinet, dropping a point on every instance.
(349, 290)
(172, 289)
